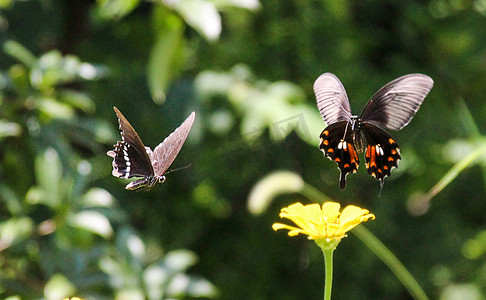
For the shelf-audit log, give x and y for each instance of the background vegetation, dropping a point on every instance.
(67, 227)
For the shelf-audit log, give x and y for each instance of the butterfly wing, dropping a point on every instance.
(332, 100)
(395, 104)
(130, 159)
(166, 152)
(337, 144)
(382, 153)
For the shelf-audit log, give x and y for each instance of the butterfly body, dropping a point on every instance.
(131, 158)
(347, 135)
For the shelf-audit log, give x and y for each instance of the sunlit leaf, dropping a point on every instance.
(92, 221)
(183, 284)
(58, 287)
(270, 186)
(202, 15)
(12, 202)
(77, 100)
(247, 4)
(54, 109)
(159, 275)
(9, 129)
(180, 259)
(15, 230)
(48, 171)
(165, 57)
(115, 9)
(130, 244)
(19, 52)
(98, 197)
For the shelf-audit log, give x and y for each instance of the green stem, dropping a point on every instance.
(386, 256)
(328, 265)
(454, 171)
(312, 193)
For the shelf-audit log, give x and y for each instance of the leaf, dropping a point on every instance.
(98, 197)
(58, 287)
(247, 4)
(15, 230)
(116, 9)
(19, 52)
(48, 171)
(92, 221)
(165, 58)
(9, 129)
(201, 15)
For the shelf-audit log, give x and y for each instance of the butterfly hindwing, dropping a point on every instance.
(382, 152)
(337, 144)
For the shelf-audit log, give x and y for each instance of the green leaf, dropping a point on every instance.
(48, 171)
(116, 9)
(165, 58)
(54, 109)
(201, 15)
(92, 221)
(58, 287)
(15, 230)
(246, 4)
(98, 197)
(9, 129)
(77, 100)
(19, 52)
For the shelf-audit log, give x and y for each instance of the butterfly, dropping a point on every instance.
(392, 107)
(131, 158)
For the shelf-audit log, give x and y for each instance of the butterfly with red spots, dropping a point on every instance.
(392, 107)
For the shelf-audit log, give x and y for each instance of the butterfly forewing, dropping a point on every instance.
(332, 100)
(130, 158)
(395, 104)
(337, 144)
(165, 153)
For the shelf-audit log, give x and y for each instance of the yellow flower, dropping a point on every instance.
(325, 224)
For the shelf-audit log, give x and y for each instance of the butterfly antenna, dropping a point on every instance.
(346, 130)
(178, 169)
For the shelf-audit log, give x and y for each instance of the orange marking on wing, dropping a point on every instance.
(352, 153)
(393, 152)
(330, 150)
(373, 156)
(325, 142)
(385, 167)
(391, 141)
(346, 166)
(391, 158)
(337, 159)
(325, 132)
(368, 151)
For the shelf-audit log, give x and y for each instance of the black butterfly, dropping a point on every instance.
(131, 158)
(392, 107)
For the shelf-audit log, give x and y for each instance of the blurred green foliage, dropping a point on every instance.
(68, 228)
